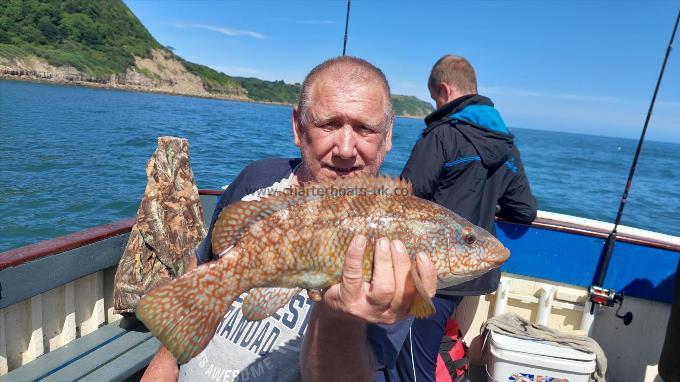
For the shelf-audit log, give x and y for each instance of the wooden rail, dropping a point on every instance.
(36, 251)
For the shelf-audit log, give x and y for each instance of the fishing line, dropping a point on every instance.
(611, 239)
(413, 362)
(344, 50)
(344, 45)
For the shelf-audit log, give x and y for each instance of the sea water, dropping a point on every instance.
(72, 158)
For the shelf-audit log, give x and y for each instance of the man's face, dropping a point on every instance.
(436, 96)
(345, 133)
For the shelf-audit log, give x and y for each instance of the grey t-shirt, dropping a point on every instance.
(243, 350)
(268, 350)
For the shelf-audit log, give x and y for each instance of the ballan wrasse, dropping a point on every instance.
(299, 239)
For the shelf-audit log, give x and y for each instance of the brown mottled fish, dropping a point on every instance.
(299, 239)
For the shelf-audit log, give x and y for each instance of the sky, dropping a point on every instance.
(577, 66)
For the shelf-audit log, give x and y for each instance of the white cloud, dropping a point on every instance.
(588, 98)
(315, 22)
(491, 90)
(227, 31)
(236, 70)
(501, 91)
(673, 104)
(307, 22)
(516, 92)
(579, 113)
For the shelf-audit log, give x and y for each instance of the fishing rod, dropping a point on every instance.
(598, 294)
(344, 45)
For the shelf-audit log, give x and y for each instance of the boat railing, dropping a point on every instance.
(599, 229)
(55, 291)
(58, 290)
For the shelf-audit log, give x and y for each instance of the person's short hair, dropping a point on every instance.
(455, 71)
(353, 68)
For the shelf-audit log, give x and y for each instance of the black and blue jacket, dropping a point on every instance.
(466, 161)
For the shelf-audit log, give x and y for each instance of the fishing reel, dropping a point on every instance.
(609, 297)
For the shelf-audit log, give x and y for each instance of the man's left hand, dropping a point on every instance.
(387, 298)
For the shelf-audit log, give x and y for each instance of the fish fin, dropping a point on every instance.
(422, 305)
(261, 303)
(237, 218)
(182, 315)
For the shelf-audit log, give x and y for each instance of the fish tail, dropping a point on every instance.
(184, 313)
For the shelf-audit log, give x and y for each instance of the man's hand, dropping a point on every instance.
(336, 335)
(387, 298)
(163, 367)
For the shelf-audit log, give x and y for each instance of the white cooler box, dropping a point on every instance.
(520, 360)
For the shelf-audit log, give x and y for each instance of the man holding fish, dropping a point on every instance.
(378, 258)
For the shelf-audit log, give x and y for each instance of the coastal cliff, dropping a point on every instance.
(101, 43)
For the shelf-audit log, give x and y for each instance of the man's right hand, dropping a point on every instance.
(163, 367)
(387, 298)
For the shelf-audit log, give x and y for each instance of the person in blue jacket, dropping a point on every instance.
(465, 160)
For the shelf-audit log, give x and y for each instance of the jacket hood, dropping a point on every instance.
(480, 123)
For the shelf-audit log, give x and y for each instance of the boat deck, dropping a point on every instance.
(119, 351)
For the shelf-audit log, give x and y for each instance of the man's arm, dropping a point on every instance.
(424, 166)
(517, 203)
(335, 346)
(163, 367)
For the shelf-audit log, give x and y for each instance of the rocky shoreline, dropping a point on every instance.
(159, 73)
(46, 78)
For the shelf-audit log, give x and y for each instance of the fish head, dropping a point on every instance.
(470, 252)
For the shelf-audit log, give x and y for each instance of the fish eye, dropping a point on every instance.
(469, 238)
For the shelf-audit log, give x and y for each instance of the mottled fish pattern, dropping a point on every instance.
(299, 239)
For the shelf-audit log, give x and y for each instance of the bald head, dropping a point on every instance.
(455, 71)
(342, 73)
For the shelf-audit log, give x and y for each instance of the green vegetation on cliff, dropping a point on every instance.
(213, 81)
(270, 91)
(410, 106)
(103, 37)
(97, 37)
